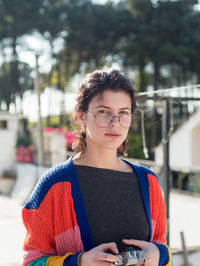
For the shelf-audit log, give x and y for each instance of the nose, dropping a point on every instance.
(113, 121)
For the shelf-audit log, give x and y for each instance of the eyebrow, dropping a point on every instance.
(106, 107)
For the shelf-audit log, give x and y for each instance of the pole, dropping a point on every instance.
(166, 167)
(40, 144)
(185, 254)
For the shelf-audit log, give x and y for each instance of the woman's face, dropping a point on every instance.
(109, 103)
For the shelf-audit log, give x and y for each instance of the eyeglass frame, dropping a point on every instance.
(112, 119)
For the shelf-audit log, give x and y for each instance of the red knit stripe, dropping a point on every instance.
(157, 208)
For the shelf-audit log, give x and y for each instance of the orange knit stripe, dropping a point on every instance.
(62, 197)
(48, 221)
(57, 260)
(38, 235)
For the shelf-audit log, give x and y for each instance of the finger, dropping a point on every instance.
(114, 249)
(104, 263)
(134, 242)
(106, 257)
(110, 246)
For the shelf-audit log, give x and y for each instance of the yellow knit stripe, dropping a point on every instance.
(170, 258)
(57, 260)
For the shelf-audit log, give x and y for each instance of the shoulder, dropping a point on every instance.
(145, 175)
(141, 169)
(57, 174)
(149, 180)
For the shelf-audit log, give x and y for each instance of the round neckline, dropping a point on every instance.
(101, 169)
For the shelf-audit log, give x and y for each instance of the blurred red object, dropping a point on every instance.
(25, 154)
(69, 135)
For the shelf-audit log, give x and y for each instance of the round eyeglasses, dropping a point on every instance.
(105, 120)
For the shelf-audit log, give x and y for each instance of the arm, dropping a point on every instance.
(53, 236)
(40, 248)
(158, 220)
(39, 245)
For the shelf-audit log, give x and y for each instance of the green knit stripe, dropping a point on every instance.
(39, 262)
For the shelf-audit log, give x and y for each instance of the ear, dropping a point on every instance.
(81, 118)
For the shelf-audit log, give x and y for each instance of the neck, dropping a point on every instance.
(101, 158)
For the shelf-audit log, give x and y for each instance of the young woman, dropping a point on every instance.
(88, 209)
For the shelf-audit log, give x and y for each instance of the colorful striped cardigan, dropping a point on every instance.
(56, 220)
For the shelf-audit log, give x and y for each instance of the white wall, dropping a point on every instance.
(193, 259)
(12, 122)
(58, 149)
(184, 145)
(180, 147)
(7, 150)
(8, 138)
(185, 217)
(196, 146)
(27, 177)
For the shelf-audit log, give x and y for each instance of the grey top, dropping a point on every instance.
(113, 204)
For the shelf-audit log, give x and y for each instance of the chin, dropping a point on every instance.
(112, 147)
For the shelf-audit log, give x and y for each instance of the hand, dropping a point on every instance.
(151, 251)
(98, 256)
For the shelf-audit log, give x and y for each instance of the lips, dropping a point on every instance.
(112, 134)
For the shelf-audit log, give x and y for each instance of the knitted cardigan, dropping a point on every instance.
(56, 221)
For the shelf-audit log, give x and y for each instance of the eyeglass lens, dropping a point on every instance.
(106, 120)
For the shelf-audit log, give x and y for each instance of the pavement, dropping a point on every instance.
(12, 232)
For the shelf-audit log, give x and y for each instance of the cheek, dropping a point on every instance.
(92, 129)
(125, 133)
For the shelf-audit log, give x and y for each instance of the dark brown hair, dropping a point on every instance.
(94, 84)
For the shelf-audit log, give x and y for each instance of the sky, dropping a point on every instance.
(50, 98)
(50, 103)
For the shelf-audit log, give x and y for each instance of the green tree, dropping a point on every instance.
(159, 36)
(90, 35)
(18, 18)
(88, 39)
(7, 94)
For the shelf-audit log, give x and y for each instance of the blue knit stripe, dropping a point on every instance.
(71, 260)
(79, 208)
(142, 172)
(54, 175)
(164, 254)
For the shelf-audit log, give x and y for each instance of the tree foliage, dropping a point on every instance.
(139, 32)
(157, 40)
(8, 93)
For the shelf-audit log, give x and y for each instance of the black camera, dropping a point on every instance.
(131, 256)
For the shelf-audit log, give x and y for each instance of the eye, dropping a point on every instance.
(103, 111)
(124, 113)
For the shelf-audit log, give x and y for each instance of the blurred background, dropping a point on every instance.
(46, 47)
